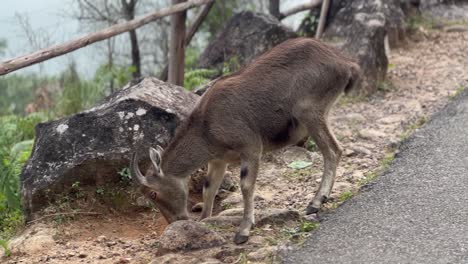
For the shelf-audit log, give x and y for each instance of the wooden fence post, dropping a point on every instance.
(177, 47)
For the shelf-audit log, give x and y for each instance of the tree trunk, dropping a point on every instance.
(274, 8)
(177, 47)
(200, 17)
(129, 11)
(323, 18)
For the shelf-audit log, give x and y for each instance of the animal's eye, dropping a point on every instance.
(153, 195)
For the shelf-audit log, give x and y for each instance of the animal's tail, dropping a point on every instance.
(354, 79)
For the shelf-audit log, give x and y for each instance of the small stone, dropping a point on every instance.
(349, 152)
(262, 253)
(371, 134)
(123, 261)
(101, 239)
(188, 235)
(313, 218)
(276, 216)
(232, 212)
(82, 255)
(111, 243)
(355, 117)
(229, 184)
(257, 240)
(223, 220)
(392, 119)
(33, 239)
(295, 153)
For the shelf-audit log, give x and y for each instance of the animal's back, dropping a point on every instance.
(260, 98)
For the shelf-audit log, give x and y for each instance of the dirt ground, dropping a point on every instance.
(423, 76)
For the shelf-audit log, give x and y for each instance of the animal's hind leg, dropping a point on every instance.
(249, 170)
(214, 178)
(319, 130)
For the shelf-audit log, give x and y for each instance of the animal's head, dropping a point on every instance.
(168, 192)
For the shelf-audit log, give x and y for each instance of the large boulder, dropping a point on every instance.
(245, 36)
(92, 146)
(360, 28)
(447, 9)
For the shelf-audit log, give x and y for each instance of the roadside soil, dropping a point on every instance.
(423, 76)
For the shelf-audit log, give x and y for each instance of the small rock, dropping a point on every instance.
(189, 235)
(349, 152)
(197, 207)
(295, 153)
(233, 217)
(313, 218)
(371, 134)
(111, 243)
(101, 239)
(262, 253)
(223, 220)
(392, 119)
(123, 261)
(82, 255)
(34, 239)
(361, 150)
(257, 240)
(236, 198)
(355, 117)
(229, 183)
(178, 258)
(276, 216)
(232, 212)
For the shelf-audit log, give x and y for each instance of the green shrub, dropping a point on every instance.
(198, 77)
(16, 141)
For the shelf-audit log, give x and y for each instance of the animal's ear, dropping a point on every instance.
(155, 157)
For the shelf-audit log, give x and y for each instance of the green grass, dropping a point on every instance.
(412, 127)
(345, 196)
(459, 90)
(384, 165)
(386, 86)
(417, 21)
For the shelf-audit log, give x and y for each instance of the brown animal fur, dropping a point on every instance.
(283, 96)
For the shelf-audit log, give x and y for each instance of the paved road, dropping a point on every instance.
(417, 212)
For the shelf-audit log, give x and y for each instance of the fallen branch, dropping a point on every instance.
(306, 6)
(57, 50)
(69, 213)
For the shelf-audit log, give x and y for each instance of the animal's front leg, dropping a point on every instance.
(249, 171)
(213, 180)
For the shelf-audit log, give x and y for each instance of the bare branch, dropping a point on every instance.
(57, 50)
(304, 7)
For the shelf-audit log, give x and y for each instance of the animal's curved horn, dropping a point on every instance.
(155, 156)
(135, 170)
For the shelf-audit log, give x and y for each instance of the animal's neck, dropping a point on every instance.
(185, 154)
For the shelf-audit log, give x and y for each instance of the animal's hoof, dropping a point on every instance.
(240, 239)
(198, 207)
(312, 210)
